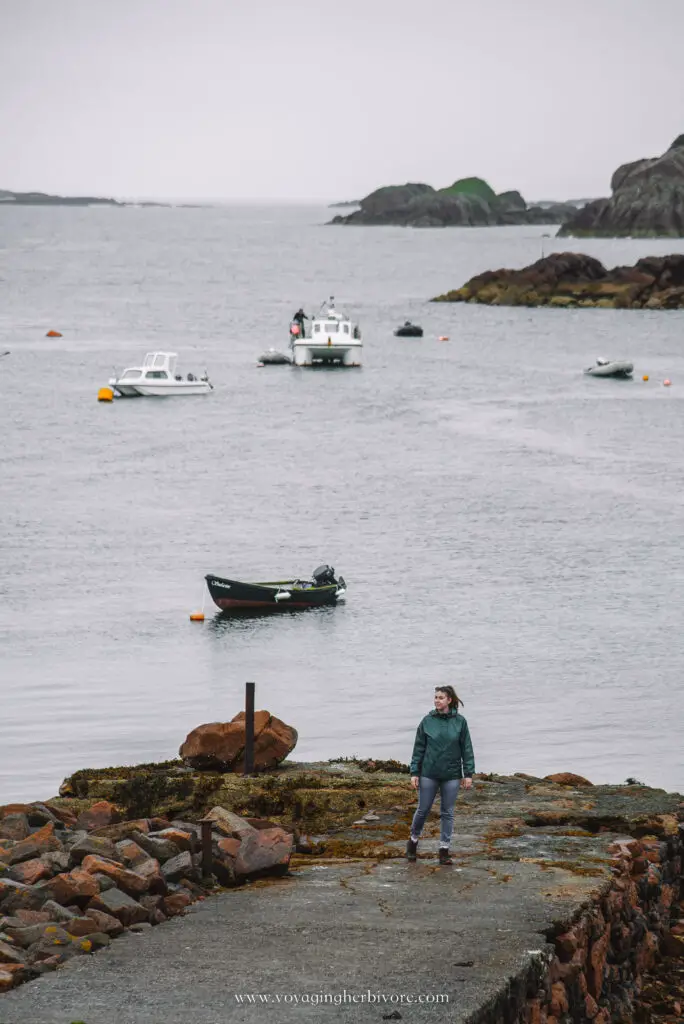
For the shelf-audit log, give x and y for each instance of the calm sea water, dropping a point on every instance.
(504, 523)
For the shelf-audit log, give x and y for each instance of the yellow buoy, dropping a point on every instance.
(105, 395)
(197, 616)
(645, 377)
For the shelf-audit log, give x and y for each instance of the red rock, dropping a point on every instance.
(559, 999)
(105, 922)
(590, 1007)
(261, 851)
(128, 881)
(30, 871)
(122, 829)
(6, 809)
(16, 896)
(10, 954)
(175, 903)
(229, 846)
(183, 840)
(38, 842)
(99, 815)
(79, 926)
(75, 886)
(14, 826)
(34, 916)
(150, 871)
(230, 824)
(6, 980)
(120, 905)
(597, 962)
(568, 779)
(64, 815)
(221, 744)
(131, 854)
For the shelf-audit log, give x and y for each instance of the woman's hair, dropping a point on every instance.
(454, 699)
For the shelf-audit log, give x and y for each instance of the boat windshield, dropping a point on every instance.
(132, 375)
(331, 328)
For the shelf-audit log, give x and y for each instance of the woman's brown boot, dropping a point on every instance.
(444, 856)
(411, 849)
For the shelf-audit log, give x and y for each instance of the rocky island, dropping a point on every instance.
(647, 201)
(570, 279)
(469, 202)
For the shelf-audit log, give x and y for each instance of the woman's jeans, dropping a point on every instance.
(427, 791)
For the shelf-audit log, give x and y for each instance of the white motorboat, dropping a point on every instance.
(333, 339)
(157, 377)
(610, 368)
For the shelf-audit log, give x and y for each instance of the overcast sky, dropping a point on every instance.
(328, 99)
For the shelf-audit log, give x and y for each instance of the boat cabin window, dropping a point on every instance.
(345, 328)
(331, 328)
(317, 328)
(157, 374)
(132, 375)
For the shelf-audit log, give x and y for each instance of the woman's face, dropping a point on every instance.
(441, 702)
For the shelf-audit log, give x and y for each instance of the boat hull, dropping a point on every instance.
(305, 353)
(233, 595)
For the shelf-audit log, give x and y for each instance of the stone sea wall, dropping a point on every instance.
(598, 869)
(600, 968)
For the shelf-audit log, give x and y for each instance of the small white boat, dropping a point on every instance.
(157, 377)
(334, 338)
(610, 368)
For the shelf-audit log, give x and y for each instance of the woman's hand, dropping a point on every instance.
(467, 783)
(415, 781)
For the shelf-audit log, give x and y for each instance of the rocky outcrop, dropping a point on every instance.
(65, 890)
(308, 797)
(469, 202)
(647, 201)
(569, 279)
(220, 746)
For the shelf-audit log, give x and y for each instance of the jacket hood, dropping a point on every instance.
(451, 713)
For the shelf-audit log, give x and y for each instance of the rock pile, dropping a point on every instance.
(69, 885)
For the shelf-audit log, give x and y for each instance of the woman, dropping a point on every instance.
(442, 756)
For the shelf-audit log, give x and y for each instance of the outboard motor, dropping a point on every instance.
(323, 575)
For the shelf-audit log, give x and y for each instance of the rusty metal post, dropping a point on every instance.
(207, 856)
(249, 728)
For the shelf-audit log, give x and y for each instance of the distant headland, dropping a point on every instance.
(9, 198)
(44, 199)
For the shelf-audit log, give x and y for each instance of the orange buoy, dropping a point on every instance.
(645, 377)
(105, 395)
(666, 383)
(197, 616)
(443, 337)
(53, 334)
